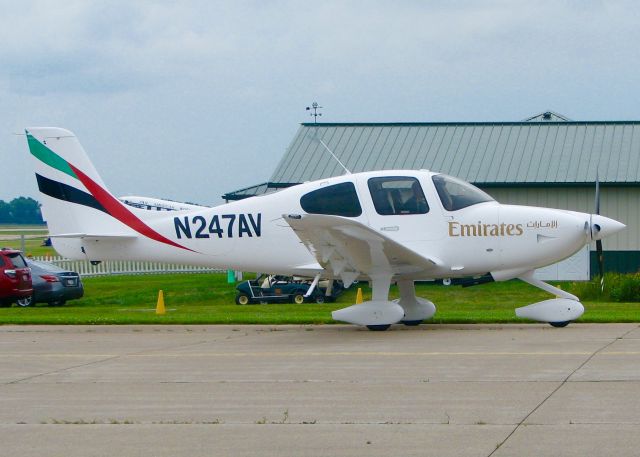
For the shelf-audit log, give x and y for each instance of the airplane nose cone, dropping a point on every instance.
(602, 227)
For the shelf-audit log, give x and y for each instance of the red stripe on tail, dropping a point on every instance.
(116, 209)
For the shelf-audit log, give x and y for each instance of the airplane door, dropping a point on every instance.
(399, 207)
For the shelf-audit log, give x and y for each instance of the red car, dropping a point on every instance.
(15, 277)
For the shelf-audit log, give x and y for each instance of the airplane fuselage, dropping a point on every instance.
(251, 235)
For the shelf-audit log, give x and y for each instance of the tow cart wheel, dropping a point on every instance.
(242, 299)
(319, 299)
(559, 324)
(378, 328)
(298, 299)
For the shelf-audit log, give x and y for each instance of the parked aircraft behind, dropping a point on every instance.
(157, 204)
(391, 226)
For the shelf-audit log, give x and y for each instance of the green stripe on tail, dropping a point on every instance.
(46, 155)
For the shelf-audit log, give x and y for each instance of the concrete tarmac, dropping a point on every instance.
(433, 390)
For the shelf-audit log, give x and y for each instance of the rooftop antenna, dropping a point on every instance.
(315, 107)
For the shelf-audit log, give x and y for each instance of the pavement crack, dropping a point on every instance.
(566, 379)
(95, 362)
(61, 370)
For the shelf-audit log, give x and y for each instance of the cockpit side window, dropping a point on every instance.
(397, 195)
(336, 200)
(456, 194)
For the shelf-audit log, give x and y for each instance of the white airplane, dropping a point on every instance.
(157, 204)
(392, 226)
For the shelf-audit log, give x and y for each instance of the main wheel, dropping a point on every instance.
(378, 328)
(298, 299)
(242, 299)
(559, 324)
(412, 323)
(26, 301)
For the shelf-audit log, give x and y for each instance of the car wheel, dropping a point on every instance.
(242, 299)
(26, 301)
(298, 299)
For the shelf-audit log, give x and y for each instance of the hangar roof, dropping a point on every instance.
(484, 153)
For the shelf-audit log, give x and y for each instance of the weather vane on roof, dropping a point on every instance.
(315, 107)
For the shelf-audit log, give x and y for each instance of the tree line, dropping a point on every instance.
(20, 210)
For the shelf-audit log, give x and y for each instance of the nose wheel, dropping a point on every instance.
(559, 324)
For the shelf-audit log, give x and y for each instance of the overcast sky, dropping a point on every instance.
(192, 99)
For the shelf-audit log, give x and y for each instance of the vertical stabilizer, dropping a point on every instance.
(75, 201)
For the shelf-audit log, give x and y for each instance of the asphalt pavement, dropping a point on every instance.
(433, 390)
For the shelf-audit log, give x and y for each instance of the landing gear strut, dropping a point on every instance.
(558, 312)
(376, 314)
(379, 313)
(416, 309)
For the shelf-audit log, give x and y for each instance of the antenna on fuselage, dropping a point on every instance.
(334, 156)
(315, 107)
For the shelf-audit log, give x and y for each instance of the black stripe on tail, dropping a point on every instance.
(67, 193)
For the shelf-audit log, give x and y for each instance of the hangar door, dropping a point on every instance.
(575, 268)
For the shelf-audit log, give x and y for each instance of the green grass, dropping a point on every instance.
(33, 246)
(208, 299)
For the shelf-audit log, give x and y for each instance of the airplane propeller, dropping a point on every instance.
(595, 231)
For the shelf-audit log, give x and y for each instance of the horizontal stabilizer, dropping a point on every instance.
(95, 236)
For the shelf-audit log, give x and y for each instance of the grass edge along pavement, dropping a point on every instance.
(206, 298)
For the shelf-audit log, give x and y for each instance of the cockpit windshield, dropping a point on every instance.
(456, 194)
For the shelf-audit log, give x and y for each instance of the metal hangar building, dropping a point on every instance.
(546, 160)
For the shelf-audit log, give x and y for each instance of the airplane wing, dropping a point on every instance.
(349, 249)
